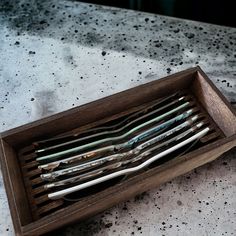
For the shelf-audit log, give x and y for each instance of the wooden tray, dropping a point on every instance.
(26, 214)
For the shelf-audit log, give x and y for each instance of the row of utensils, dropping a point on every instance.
(122, 147)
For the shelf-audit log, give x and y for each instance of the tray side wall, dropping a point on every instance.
(215, 103)
(15, 189)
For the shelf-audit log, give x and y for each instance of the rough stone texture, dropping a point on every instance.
(57, 54)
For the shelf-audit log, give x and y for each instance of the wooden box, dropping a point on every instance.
(22, 206)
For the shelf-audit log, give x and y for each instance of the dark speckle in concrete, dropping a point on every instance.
(189, 35)
(179, 203)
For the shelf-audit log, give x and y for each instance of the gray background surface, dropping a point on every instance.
(55, 55)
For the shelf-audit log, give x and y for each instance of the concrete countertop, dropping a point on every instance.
(57, 54)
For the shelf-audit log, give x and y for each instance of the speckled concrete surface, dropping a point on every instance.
(56, 54)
